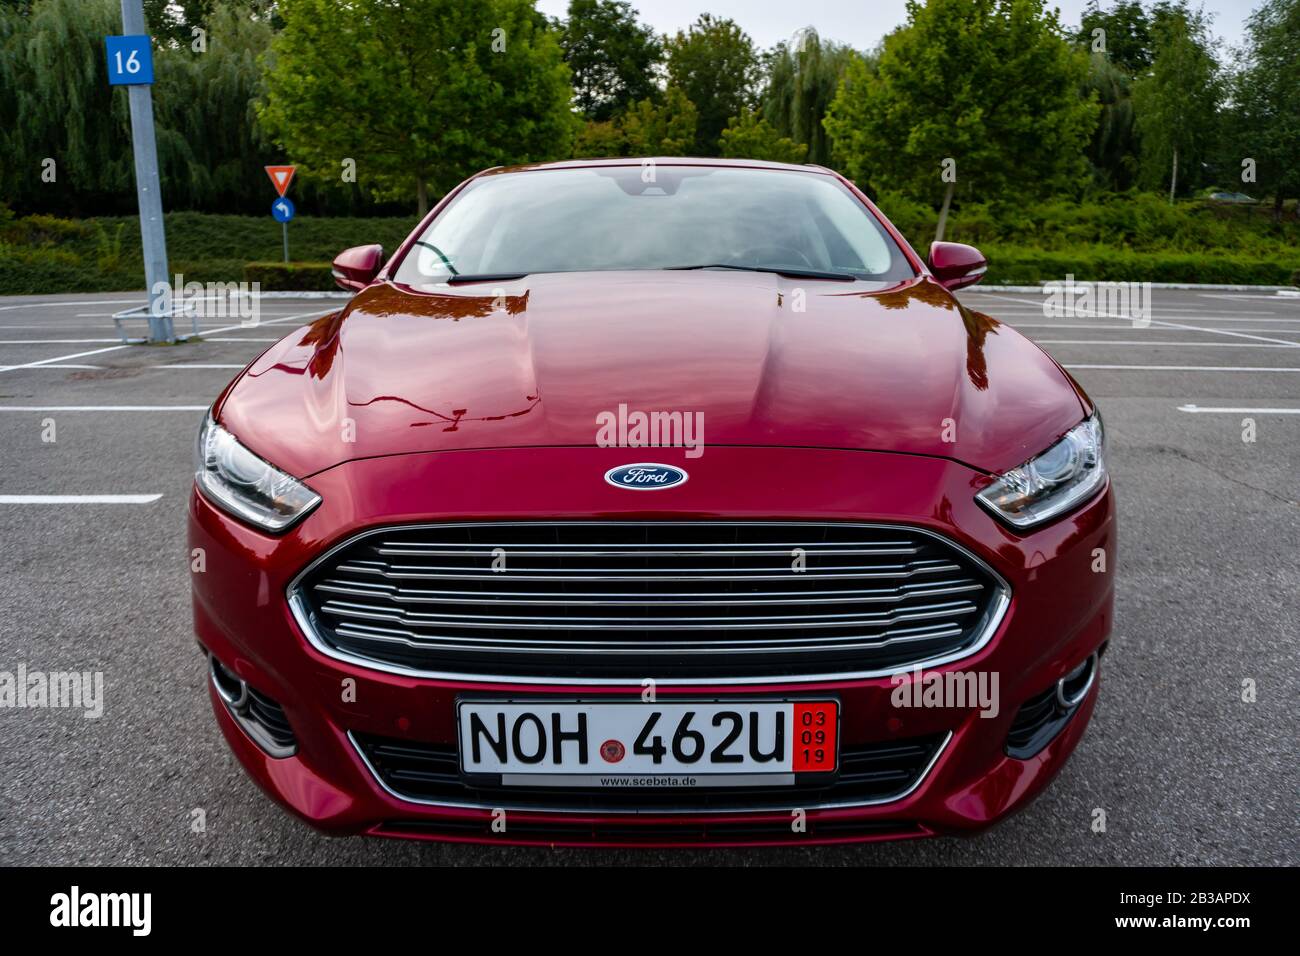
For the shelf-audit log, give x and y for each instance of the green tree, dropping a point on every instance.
(664, 129)
(172, 21)
(1266, 93)
(57, 105)
(1176, 104)
(421, 95)
(1125, 37)
(714, 63)
(211, 149)
(749, 136)
(984, 93)
(612, 56)
(599, 139)
(1114, 148)
(803, 77)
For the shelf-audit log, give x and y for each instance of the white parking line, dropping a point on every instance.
(1197, 328)
(1205, 345)
(61, 358)
(1189, 368)
(54, 341)
(51, 305)
(103, 408)
(1198, 410)
(197, 365)
(1125, 328)
(230, 328)
(78, 499)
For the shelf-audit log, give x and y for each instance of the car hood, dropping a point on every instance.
(548, 359)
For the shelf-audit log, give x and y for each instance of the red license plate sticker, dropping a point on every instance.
(815, 743)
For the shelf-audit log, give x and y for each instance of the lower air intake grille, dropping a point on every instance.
(869, 773)
(629, 600)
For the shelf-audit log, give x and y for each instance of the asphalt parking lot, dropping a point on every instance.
(1186, 771)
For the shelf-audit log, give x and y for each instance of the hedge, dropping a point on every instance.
(291, 276)
(1017, 266)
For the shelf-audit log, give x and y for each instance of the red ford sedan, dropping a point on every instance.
(665, 502)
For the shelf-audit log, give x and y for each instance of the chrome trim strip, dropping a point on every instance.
(628, 599)
(738, 646)
(997, 609)
(251, 727)
(768, 622)
(831, 805)
(1069, 703)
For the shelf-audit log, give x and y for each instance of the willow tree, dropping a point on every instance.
(59, 106)
(419, 95)
(210, 146)
(1113, 151)
(803, 76)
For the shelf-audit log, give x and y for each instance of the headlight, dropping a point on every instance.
(245, 485)
(1052, 483)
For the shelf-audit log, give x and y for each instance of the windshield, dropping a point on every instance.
(663, 217)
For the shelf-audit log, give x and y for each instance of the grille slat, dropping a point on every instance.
(615, 600)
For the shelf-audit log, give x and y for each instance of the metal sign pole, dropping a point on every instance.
(148, 190)
(285, 227)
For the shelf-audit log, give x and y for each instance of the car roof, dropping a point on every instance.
(659, 161)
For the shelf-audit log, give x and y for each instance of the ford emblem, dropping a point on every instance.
(646, 476)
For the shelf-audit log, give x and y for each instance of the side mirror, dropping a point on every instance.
(356, 268)
(956, 265)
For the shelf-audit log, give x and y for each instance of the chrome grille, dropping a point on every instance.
(629, 600)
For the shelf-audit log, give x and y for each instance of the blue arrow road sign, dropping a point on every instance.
(282, 209)
(130, 60)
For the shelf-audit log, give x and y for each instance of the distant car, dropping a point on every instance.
(456, 590)
(1232, 198)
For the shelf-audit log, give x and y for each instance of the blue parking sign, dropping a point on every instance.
(130, 60)
(282, 209)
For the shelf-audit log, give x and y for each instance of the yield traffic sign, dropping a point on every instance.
(281, 176)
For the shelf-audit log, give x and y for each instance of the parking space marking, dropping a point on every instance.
(1125, 328)
(195, 365)
(54, 341)
(1198, 410)
(1198, 328)
(103, 408)
(49, 305)
(78, 499)
(60, 358)
(1188, 368)
(1205, 345)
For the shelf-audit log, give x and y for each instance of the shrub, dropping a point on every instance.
(1012, 265)
(291, 276)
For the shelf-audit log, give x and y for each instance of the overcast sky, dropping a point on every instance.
(860, 23)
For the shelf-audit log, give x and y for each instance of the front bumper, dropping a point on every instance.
(1060, 613)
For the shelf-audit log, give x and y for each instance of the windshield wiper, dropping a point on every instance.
(791, 273)
(485, 277)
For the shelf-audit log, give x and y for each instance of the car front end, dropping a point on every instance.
(436, 604)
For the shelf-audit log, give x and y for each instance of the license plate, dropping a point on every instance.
(636, 744)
